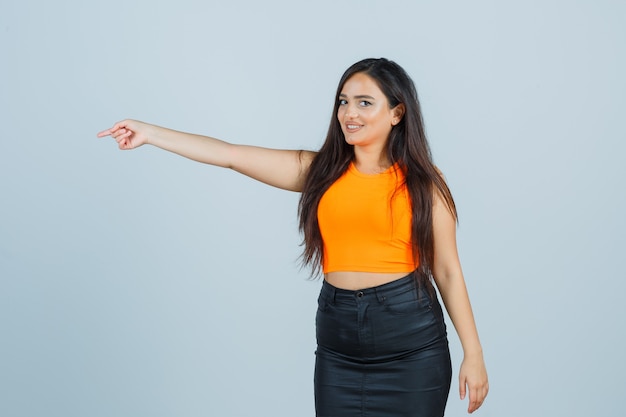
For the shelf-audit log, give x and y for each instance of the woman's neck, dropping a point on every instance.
(371, 162)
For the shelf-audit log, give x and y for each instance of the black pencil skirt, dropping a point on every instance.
(381, 352)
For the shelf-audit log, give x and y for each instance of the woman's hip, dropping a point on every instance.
(380, 323)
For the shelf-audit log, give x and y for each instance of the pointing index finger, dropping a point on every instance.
(110, 130)
(105, 133)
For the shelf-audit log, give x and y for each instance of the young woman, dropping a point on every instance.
(379, 221)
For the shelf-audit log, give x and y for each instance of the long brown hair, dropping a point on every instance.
(407, 146)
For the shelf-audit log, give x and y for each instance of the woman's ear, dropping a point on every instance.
(398, 113)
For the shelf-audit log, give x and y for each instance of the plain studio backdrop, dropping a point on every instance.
(143, 284)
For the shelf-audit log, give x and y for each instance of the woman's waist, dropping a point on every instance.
(354, 280)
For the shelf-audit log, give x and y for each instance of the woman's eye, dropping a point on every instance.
(343, 102)
(365, 103)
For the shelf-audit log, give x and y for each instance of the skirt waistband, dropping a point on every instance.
(380, 292)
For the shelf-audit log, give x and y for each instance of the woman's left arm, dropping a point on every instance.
(451, 284)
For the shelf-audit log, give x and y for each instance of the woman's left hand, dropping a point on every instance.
(473, 377)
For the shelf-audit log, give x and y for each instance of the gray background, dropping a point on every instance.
(142, 284)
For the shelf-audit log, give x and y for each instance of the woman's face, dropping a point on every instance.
(364, 113)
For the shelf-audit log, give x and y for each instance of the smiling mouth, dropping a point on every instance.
(352, 127)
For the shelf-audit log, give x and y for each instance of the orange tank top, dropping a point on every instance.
(365, 223)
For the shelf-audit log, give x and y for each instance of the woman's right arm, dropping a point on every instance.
(284, 169)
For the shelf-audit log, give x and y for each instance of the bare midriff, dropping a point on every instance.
(349, 280)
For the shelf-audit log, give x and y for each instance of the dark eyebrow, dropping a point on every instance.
(358, 97)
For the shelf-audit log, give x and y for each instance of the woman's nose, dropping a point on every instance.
(351, 112)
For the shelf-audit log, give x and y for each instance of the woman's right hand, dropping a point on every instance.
(129, 134)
